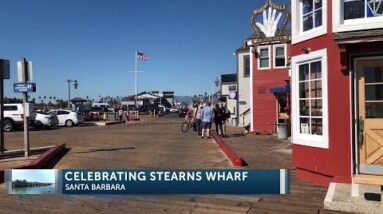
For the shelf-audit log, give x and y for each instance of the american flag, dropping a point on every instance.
(142, 56)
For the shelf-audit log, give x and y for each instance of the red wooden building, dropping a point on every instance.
(270, 48)
(270, 85)
(337, 90)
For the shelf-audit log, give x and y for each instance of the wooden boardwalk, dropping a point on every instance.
(127, 147)
(265, 152)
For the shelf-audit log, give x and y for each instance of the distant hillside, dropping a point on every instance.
(182, 99)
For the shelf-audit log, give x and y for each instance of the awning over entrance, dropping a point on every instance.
(280, 90)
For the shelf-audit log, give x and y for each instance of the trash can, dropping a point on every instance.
(234, 121)
(283, 131)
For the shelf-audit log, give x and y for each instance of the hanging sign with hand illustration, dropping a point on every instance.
(271, 14)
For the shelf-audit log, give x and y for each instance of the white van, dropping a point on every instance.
(101, 105)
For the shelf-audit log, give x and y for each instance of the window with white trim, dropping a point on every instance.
(264, 57)
(279, 56)
(311, 14)
(246, 66)
(309, 99)
(309, 19)
(356, 9)
(351, 15)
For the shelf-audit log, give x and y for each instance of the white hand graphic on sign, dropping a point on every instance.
(270, 23)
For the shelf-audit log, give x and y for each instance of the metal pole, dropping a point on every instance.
(69, 94)
(135, 77)
(2, 111)
(25, 101)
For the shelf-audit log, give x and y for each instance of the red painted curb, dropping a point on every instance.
(40, 162)
(233, 157)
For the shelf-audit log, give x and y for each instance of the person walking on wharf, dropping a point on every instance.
(190, 116)
(225, 115)
(207, 116)
(218, 116)
(120, 114)
(198, 118)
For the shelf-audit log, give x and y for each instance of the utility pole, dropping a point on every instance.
(24, 86)
(135, 77)
(75, 87)
(68, 94)
(2, 111)
(26, 111)
(4, 74)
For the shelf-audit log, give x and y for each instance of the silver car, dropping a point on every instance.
(45, 120)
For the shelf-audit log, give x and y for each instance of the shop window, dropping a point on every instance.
(356, 9)
(309, 91)
(232, 88)
(310, 98)
(246, 66)
(264, 57)
(374, 92)
(279, 56)
(351, 15)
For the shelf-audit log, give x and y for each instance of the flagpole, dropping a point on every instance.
(135, 76)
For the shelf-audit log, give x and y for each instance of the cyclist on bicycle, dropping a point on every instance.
(190, 115)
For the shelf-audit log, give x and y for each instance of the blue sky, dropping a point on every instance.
(37, 175)
(189, 43)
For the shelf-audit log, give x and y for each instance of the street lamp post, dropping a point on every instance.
(75, 87)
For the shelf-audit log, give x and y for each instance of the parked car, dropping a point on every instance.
(67, 118)
(182, 112)
(45, 120)
(14, 116)
(173, 110)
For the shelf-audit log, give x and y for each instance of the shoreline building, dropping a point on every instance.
(148, 99)
(337, 91)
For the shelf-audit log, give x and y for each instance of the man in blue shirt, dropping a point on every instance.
(207, 116)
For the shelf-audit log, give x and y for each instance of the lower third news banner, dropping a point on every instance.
(124, 181)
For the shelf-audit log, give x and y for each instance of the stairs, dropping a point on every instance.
(358, 198)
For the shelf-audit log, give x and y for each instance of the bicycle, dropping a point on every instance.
(185, 126)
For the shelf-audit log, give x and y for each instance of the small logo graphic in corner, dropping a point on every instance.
(32, 181)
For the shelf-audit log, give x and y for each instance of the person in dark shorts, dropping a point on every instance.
(207, 116)
(218, 116)
(225, 115)
(198, 118)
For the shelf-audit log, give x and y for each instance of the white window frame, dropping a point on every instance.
(244, 65)
(259, 56)
(296, 26)
(340, 25)
(307, 139)
(274, 55)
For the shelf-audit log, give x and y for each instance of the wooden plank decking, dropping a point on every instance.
(265, 152)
